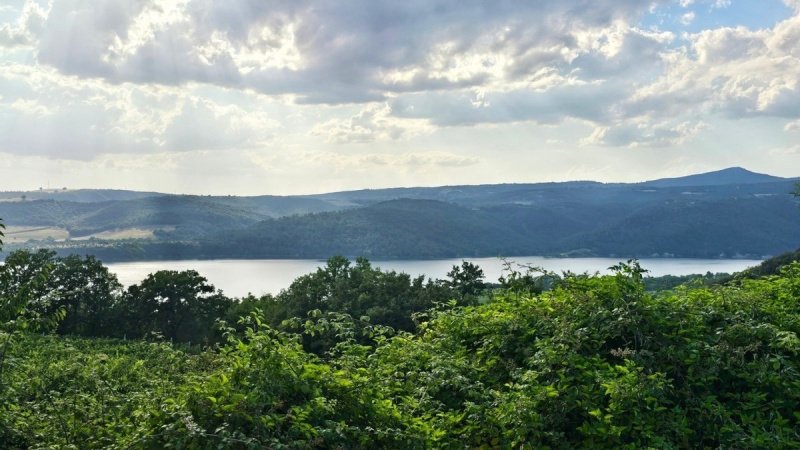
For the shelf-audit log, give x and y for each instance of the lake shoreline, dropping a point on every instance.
(116, 257)
(238, 277)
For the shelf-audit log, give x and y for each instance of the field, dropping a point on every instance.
(22, 234)
(129, 233)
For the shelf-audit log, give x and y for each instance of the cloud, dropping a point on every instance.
(721, 4)
(322, 52)
(794, 4)
(644, 134)
(406, 160)
(735, 72)
(373, 123)
(27, 27)
(792, 150)
(45, 113)
(147, 76)
(584, 101)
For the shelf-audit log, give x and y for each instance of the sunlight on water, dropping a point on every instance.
(240, 277)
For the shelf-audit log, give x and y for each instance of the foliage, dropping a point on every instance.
(367, 294)
(71, 393)
(466, 281)
(526, 280)
(600, 363)
(666, 282)
(589, 362)
(179, 306)
(771, 266)
(80, 286)
(269, 393)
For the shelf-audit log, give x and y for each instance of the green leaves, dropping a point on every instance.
(596, 362)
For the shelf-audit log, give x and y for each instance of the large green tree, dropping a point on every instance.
(364, 293)
(180, 306)
(80, 286)
(88, 292)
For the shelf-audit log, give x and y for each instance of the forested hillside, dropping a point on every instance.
(719, 214)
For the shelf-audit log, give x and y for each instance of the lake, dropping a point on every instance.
(237, 278)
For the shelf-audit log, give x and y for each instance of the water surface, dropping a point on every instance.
(237, 278)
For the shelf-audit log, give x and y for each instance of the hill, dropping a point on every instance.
(732, 175)
(401, 228)
(77, 195)
(728, 213)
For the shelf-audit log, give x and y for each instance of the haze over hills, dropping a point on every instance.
(727, 213)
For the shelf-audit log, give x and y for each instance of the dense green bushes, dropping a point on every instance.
(600, 363)
(90, 393)
(595, 362)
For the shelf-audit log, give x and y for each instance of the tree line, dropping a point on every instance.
(183, 307)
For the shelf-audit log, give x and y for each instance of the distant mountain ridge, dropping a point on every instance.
(727, 213)
(729, 176)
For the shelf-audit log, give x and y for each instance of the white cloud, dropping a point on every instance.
(370, 124)
(736, 72)
(406, 161)
(46, 113)
(688, 18)
(644, 134)
(721, 4)
(27, 27)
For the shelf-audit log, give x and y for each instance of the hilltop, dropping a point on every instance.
(727, 213)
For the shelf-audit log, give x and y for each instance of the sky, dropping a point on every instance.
(248, 97)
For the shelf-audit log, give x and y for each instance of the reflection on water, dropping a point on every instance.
(239, 277)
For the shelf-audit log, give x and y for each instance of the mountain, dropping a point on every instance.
(734, 227)
(728, 213)
(729, 176)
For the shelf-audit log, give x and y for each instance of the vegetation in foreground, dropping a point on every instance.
(351, 357)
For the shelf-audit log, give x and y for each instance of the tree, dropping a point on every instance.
(80, 286)
(26, 273)
(23, 293)
(366, 294)
(180, 306)
(89, 294)
(525, 280)
(467, 281)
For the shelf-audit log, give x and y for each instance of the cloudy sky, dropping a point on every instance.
(302, 96)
